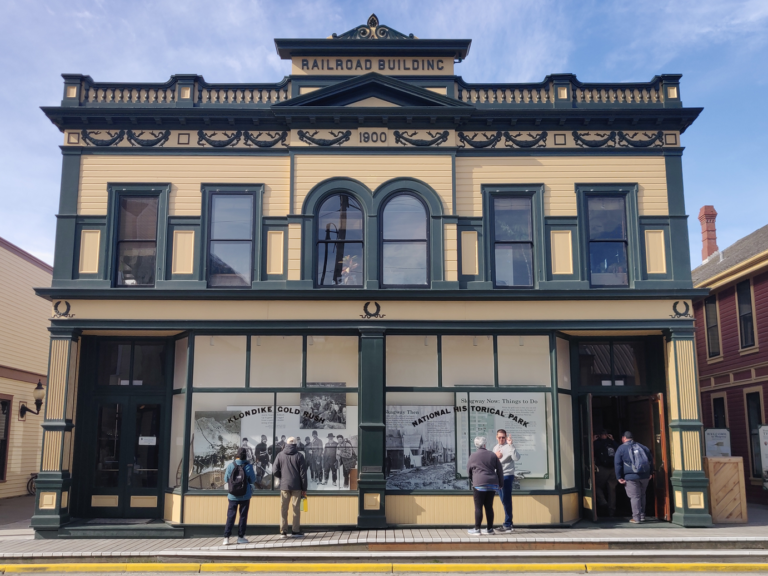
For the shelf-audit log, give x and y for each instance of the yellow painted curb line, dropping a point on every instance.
(678, 567)
(295, 567)
(161, 567)
(80, 567)
(472, 567)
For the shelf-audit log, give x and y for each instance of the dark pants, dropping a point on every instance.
(330, 466)
(506, 499)
(346, 475)
(231, 511)
(605, 480)
(483, 500)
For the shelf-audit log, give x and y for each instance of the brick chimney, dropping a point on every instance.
(707, 217)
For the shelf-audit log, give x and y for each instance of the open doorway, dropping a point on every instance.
(604, 419)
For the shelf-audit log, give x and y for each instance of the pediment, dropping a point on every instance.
(372, 91)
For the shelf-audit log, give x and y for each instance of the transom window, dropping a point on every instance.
(137, 241)
(513, 242)
(340, 242)
(230, 248)
(404, 245)
(607, 241)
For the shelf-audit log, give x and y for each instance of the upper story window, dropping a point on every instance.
(404, 242)
(137, 241)
(340, 242)
(513, 241)
(713, 329)
(746, 318)
(607, 237)
(230, 247)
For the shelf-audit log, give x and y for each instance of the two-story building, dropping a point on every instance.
(382, 259)
(731, 322)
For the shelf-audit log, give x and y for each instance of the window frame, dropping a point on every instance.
(117, 191)
(8, 416)
(210, 239)
(719, 355)
(751, 347)
(427, 241)
(629, 191)
(209, 190)
(316, 241)
(536, 194)
(746, 393)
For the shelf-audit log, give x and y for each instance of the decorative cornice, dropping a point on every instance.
(338, 138)
(231, 139)
(406, 138)
(605, 139)
(115, 138)
(278, 137)
(537, 141)
(656, 139)
(372, 30)
(159, 138)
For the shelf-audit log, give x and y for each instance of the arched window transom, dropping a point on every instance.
(404, 242)
(340, 242)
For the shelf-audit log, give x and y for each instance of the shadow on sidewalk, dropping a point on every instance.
(16, 513)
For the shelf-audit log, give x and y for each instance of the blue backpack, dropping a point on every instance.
(638, 461)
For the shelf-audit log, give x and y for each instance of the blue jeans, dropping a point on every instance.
(505, 492)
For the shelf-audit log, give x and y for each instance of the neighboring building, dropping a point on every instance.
(24, 342)
(730, 325)
(370, 245)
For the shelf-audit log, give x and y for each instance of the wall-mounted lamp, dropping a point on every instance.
(38, 394)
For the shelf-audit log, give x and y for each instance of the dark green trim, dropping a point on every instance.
(64, 254)
(679, 253)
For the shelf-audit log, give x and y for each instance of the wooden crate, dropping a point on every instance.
(727, 490)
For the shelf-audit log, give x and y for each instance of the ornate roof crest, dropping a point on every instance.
(373, 31)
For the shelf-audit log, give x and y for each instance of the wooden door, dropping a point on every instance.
(660, 459)
(588, 500)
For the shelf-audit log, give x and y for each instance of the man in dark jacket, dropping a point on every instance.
(633, 464)
(604, 449)
(486, 475)
(329, 460)
(291, 468)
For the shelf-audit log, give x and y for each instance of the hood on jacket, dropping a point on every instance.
(291, 449)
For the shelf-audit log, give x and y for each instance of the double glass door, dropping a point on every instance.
(126, 463)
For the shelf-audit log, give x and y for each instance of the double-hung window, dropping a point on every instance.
(713, 330)
(137, 241)
(746, 317)
(230, 251)
(607, 238)
(513, 241)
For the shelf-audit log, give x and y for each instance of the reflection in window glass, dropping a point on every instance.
(276, 361)
(180, 364)
(513, 241)
(595, 364)
(146, 461)
(746, 323)
(107, 473)
(137, 241)
(114, 363)
(231, 248)
(177, 440)
(718, 412)
(411, 361)
(467, 361)
(404, 242)
(612, 364)
(219, 361)
(628, 363)
(148, 365)
(340, 242)
(713, 331)
(607, 241)
(332, 361)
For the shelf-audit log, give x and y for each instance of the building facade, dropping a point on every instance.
(381, 259)
(730, 324)
(24, 343)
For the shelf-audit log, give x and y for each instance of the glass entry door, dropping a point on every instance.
(126, 463)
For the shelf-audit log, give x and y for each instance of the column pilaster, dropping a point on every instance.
(690, 497)
(54, 481)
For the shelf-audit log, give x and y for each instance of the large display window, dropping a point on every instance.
(220, 361)
(412, 361)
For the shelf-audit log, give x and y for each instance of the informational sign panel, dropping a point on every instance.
(717, 442)
(763, 436)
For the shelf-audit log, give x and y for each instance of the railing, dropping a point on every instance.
(566, 91)
(180, 90)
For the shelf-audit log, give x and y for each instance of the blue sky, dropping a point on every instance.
(721, 48)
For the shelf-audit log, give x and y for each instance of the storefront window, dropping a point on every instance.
(467, 361)
(332, 361)
(411, 361)
(276, 361)
(180, 364)
(524, 361)
(179, 403)
(220, 361)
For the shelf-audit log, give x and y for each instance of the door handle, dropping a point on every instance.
(130, 473)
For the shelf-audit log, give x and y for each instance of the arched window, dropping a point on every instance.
(340, 242)
(404, 245)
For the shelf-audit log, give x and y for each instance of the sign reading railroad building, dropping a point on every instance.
(348, 66)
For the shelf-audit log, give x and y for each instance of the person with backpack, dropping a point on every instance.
(633, 464)
(291, 468)
(604, 448)
(238, 478)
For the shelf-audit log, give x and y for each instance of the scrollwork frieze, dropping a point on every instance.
(114, 138)
(231, 139)
(338, 138)
(536, 140)
(159, 138)
(275, 138)
(489, 142)
(437, 138)
(656, 140)
(607, 140)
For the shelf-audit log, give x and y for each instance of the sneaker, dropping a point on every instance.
(642, 518)
(633, 521)
(226, 542)
(501, 529)
(242, 540)
(474, 532)
(509, 529)
(283, 535)
(490, 531)
(298, 534)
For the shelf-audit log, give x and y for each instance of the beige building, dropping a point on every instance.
(24, 343)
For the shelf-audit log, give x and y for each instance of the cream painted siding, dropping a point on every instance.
(560, 174)
(24, 441)
(373, 170)
(186, 174)
(24, 327)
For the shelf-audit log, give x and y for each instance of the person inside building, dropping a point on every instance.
(486, 475)
(604, 448)
(633, 464)
(507, 454)
(329, 460)
(238, 478)
(291, 469)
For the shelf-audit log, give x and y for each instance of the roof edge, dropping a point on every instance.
(735, 272)
(26, 256)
